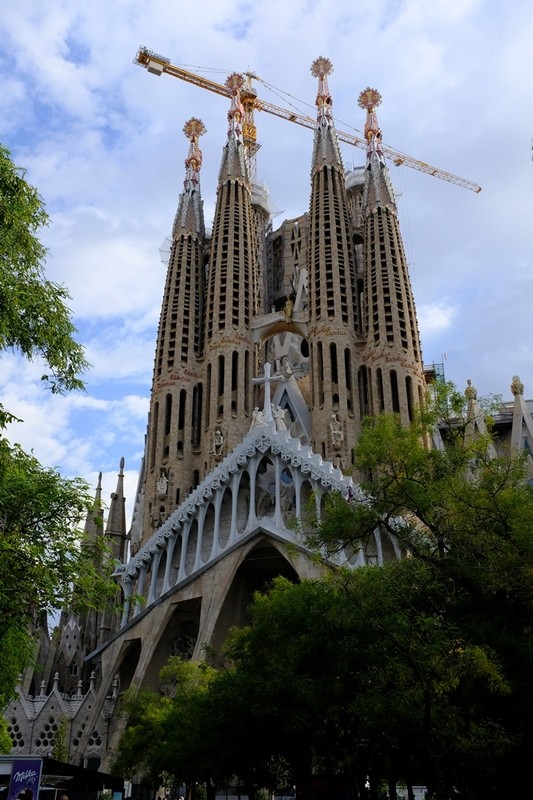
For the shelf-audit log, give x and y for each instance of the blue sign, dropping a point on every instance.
(25, 779)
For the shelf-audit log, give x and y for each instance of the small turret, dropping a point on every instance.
(94, 523)
(115, 531)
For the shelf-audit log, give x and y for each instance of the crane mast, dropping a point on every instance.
(157, 65)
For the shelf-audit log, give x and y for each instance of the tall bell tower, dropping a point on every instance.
(393, 378)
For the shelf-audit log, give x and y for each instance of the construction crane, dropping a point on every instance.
(157, 65)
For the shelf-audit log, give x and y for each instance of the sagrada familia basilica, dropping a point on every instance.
(272, 347)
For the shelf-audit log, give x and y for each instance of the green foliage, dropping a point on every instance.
(60, 746)
(45, 563)
(34, 317)
(166, 733)
(357, 674)
(17, 647)
(5, 738)
(467, 517)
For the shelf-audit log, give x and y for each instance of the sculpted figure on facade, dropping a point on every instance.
(218, 444)
(288, 309)
(470, 391)
(162, 485)
(279, 418)
(335, 429)
(258, 418)
(517, 387)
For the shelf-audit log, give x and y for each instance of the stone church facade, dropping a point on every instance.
(272, 346)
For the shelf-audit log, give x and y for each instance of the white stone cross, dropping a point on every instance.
(267, 379)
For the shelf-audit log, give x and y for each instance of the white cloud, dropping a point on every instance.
(437, 316)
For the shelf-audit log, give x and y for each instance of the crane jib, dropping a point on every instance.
(157, 65)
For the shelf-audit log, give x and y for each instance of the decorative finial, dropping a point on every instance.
(470, 391)
(193, 129)
(234, 83)
(321, 68)
(370, 99)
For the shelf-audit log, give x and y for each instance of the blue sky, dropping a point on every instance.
(102, 141)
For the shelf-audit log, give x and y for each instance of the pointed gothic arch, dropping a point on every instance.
(263, 562)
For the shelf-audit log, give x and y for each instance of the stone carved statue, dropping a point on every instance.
(335, 429)
(470, 391)
(162, 485)
(218, 444)
(258, 418)
(517, 387)
(279, 418)
(288, 309)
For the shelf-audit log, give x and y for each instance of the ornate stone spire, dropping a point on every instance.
(379, 190)
(94, 525)
(326, 147)
(232, 292)
(189, 216)
(193, 129)
(235, 82)
(174, 428)
(369, 99)
(321, 68)
(333, 304)
(115, 530)
(234, 159)
(393, 378)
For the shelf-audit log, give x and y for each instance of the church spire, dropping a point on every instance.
(94, 526)
(379, 189)
(234, 159)
(393, 378)
(321, 68)
(232, 292)
(189, 217)
(115, 531)
(333, 304)
(326, 147)
(174, 428)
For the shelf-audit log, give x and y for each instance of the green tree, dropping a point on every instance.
(360, 674)
(34, 317)
(167, 734)
(44, 563)
(467, 516)
(60, 745)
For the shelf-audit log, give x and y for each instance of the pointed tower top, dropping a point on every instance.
(235, 82)
(370, 99)
(116, 521)
(95, 516)
(378, 187)
(326, 147)
(321, 68)
(193, 129)
(189, 216)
